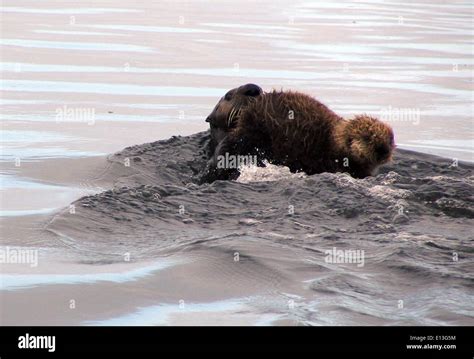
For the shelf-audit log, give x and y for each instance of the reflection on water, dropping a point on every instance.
(212, 313)
(85, 33)
(106, 88)
(24, 197)
(18, 282)
(33, 136)
(10, 153)
(86, 46)
(26, 212)
(9, 181)
(24, 145)
(68, 11)
(218, 72)
(157, 29)
(111, 117)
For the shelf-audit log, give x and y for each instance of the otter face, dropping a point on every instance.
(224, 114)
(370, 140)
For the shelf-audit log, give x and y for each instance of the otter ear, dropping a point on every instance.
(251, 90)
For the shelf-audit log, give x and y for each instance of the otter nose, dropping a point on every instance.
(382, 151)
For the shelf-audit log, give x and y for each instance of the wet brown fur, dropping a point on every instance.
(295, 130)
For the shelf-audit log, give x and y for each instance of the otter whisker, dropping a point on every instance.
(229, 117)
(234, 113)
(237, 114)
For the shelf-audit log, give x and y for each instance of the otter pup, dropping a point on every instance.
(295, 130)
(225, 114)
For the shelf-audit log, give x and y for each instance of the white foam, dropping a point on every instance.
(269, 173)
(391, 195)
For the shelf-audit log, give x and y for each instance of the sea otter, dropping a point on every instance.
(295, 130)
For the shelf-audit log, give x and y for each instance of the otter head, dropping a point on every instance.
(227, 110)
(369, 141)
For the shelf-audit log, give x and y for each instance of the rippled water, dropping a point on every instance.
(411, 226)
(146, 71)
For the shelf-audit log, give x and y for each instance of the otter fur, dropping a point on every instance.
(295, 130)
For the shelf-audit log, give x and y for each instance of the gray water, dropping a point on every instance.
(409, 230)
(147, 70)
